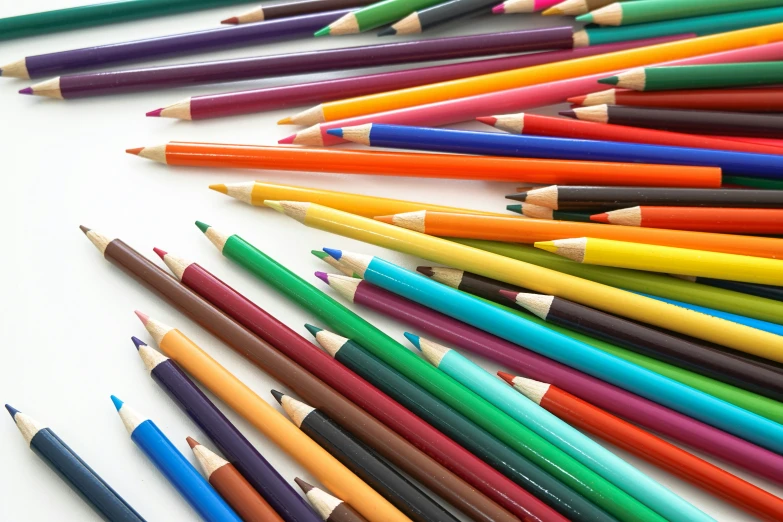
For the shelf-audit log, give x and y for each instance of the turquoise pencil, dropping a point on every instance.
(559, 433)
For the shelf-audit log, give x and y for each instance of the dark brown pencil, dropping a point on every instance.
(294, 8)
(687, 121)
(736, 100)
(331, 509)
(561, 197)
(470, 283)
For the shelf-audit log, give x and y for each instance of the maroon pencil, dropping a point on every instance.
(293, 8)
(305, 94)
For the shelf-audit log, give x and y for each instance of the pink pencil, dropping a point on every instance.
(509, 101)
(524, 6)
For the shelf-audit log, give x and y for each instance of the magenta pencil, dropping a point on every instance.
(509, 101)
(303, 94)
(603, 395)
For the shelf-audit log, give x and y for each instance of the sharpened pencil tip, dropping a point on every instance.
(202, 226)
(549, 246)
(313, 329)
(155, 113)
(568, 114)
(335, 132)
(192, 442)
(600, 218)
(285, 121)
(27, 90)
(585, 18)
(552, 11)
(289, 140)
(499, 9)
(426, 270)
(319, 254)
(487, 120)
(415, 340)
(304, 486)
(230, 21)
(508, 294)
(323, 276)
(135, 151)
(219, 187)
(278, 396)
(325, 31)
(385, 219)
(84, 229)
(515, 208)
(612, 80)
(144, 318)
(161, 253)
(13, 411)
(137, 342)
(506, 377)
(337, 254)
(117, 402)
(389, 31)
(577, 100)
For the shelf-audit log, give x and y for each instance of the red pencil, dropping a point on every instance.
(702, 219)
(734, 100)
(585, 416)
(525, 123)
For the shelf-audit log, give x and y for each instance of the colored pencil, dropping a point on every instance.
(424, 19)
(256, 192)
(737, 100)
(645, 11)
(522, 440)
(302, 94)
(694, 49)
(537, 212)
(705, 219)
(526, 123)
(363, 461)
(563, 197)
(288, 372)
(269, 422)
(557, 432)
(443, 166)
(766, 291)
(467, 496)
(292, 8)
(730, 367)
(632, 407)
(523, 6)
(668, 260)
(634, 280)
(81, 478)
(183, 44)
(46, 22)
(681, 120)
(174, 466)
(701, 25)
(374, 15)
(742, 181)
(514, 328)
(490, 290)
(698, 76)
(586, 417)
(449, 421)
(577, 7)
(258, 472)
(331, 509)
(497, 144)
(515, 230)
(169, 76)
(232, 486)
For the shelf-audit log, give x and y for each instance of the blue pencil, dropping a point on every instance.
(564, 349)
(174, 466)
(747, 321)
(529, 146)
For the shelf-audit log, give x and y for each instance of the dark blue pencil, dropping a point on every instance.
(528, 146)
(73, 470)
(174, 466)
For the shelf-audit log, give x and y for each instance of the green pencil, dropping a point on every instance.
(699, 76)
(753, 182)
(550, 459)
(47, 22)
(451, 423)
(638, 281)
(375, 15)
(644, 11)
(537, 212)
(701, 26)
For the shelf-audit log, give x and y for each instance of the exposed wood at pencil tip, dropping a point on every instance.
(311, 116)
(345, 285)
(155, 153)
(157, 330)
(411, 220)
(630, 217)
(519, 6)
(568, 8)
(408, 25)
(177, 265)
(296, 410)
(536, 304)
(130, 418)
(511, 123)
(543, 197)
(358, 134)
(99, 240)
(240, 191)
(330, 342)
(573, 249)
(348, 24)
(292, 209)
(323, 503)
(217, 238)
(635, 79)
(448, 276)
(533, 390)
(536, 211)
(607, 97)
(179, 110)
(432, 352)
(595, 113)
(49, 89)
(612, 14)
(581, 39)
(208, 460)
(311, 137)
(151, 358)
(28, 426)
(256, 15)
(17, 69)
(329, 260)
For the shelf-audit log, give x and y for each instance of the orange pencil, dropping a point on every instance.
(516, 230)
(586, 417)
(702, 219)
(449, 166)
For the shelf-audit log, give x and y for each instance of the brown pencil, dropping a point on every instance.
(232, 486)
(293, 8)
(331, 509)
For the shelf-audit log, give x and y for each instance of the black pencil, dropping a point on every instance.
(560, 197)
(721, 123)
(364, 462)
(420, 21)
(293, 8)
(73, 470)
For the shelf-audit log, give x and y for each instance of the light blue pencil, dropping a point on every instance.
(559, 433)
(513, 328)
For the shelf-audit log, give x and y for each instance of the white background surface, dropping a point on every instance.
(68, 314)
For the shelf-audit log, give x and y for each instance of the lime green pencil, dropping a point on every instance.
(699, 76)
(644, 11)
(375, 15)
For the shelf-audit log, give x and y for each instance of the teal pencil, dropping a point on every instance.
(559, 433)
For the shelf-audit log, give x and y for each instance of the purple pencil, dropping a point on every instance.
(43, 65)
(603, 395)
(134, 80)
(270, 98)
(234, 446)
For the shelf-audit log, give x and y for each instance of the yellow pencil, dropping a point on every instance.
(471, 86)
(550, 282)
(669, 260)
(256, 192)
